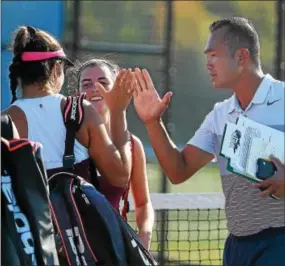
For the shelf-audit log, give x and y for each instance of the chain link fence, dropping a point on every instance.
(168, 38)
(134, 33)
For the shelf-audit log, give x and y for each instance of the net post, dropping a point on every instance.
(167, 117)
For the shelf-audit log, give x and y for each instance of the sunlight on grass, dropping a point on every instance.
(206, 180)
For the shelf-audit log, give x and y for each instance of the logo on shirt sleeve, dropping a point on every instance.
(270, 103)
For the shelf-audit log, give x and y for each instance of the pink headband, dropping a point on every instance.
(37, 56)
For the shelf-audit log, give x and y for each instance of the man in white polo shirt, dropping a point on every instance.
(256, 221)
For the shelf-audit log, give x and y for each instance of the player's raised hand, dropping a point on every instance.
(118, 98)
(149, 106)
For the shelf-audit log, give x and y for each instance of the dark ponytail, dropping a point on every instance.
(13, 76)
(28, 38)
(32, 31)
(24, 35)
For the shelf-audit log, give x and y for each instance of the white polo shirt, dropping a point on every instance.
(247, 213)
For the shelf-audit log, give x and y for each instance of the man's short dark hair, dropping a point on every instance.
(240, 34)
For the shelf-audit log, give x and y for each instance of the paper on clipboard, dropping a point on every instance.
(246, 141)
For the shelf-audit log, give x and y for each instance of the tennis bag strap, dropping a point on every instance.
(136, 253)
(73, 115)
(6, 127)
(125, 197)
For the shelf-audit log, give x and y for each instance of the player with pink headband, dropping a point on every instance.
(38, 69)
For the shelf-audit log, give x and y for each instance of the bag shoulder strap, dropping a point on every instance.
(6, 127)
(73, 116)
(126, 207)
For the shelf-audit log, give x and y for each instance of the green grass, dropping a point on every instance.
(194, 236)
(206, 180)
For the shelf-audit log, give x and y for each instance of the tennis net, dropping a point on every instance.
(195, 228)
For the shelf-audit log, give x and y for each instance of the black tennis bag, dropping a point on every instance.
(89, 230)
(27, 233)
